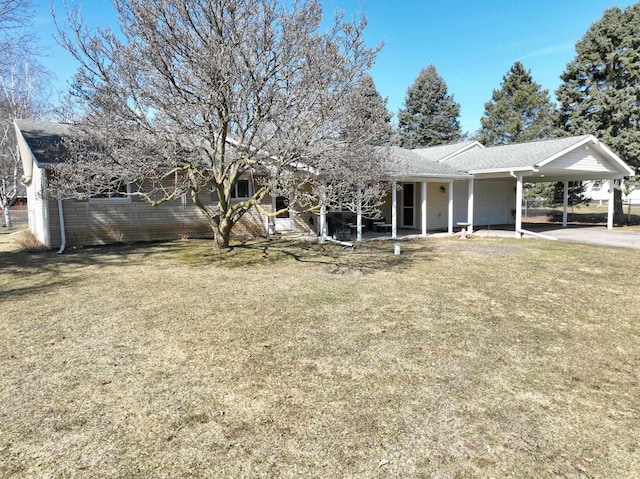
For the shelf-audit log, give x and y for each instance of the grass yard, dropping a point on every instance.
(455, 359)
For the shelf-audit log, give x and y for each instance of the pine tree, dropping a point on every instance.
(430, 115)
(600, 93)
(519, 111)
(370, 113)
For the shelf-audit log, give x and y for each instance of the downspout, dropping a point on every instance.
(63, 235)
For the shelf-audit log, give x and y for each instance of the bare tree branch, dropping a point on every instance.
(212, 90)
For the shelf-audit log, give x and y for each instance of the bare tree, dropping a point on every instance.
(192, 94)
(14, 36)
(22, 89)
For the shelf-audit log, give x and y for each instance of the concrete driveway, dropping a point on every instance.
(598, 235)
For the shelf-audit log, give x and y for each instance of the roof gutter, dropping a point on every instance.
(63, 234)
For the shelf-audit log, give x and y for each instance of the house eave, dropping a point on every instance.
(425, 176)
(507, 171)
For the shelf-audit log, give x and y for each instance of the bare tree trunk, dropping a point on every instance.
(221, 235)
(7, 215)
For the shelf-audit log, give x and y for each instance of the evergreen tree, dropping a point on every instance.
(519, 111)
(430, 115)
(600, 93)
(369, 111)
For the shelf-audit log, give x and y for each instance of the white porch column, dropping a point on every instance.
(565, 203)
(450, 212)
(323, 215)
(323, 223)
(470, 207)
(394, 212)
(610, 205)
(359, 215)
(518, 206)
(423, 219)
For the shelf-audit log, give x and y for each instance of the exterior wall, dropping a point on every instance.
(460, 201)
(493, 202)
(598, 191)
(101, 221)
(104, 221)
(437, 205)
(37, 206)
(114, 221)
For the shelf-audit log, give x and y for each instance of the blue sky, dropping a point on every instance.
(472, 43)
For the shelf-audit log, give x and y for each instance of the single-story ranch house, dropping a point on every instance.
(433, 190)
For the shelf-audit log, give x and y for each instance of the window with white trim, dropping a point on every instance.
(241, 190)
(120, 193)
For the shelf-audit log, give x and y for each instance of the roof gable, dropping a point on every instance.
(42, 138)
(584, 154)
(514, 156)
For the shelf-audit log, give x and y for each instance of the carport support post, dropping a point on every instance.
(610, 206)
(423, 220)
(394, 213)
(470, 207)
(519, 206)
(565, 202)
(323, 223)
(450, 212)
(359, 215)
(323, 214)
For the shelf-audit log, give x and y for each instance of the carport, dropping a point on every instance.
(454, 184)
(563, 160)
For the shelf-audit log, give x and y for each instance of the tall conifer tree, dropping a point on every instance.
(430, 115)
(519, 111)
(370, 113)
(600, 93)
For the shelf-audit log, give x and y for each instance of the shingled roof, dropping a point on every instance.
(408, 163)
(43, 138)
(514, 156)
(455, 161)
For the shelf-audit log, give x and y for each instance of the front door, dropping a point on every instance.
(283, 222)
(408, 205)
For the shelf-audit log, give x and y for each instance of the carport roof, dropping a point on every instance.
(471, 158)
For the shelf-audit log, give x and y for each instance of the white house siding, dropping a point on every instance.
(584, 159)
(37, 207)
(493, 202)
(598, 191)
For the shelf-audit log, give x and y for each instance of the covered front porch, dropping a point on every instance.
(412, 208)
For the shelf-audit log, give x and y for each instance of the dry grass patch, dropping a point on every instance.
(477, 358)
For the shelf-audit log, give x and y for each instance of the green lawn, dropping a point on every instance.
(455, 359)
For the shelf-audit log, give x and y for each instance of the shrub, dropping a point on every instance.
(29, 242)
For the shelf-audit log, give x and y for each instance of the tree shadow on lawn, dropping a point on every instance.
(45, 271)
(365, 258)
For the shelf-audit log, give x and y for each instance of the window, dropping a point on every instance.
(282, 202)
(241, 190)
(120, 193)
